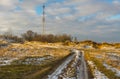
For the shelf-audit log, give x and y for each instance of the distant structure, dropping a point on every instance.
(43, 19)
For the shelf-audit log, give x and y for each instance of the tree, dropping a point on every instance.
(29, 35)
(8, 34)
(50, 38)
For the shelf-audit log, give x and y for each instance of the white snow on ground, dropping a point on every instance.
(4, 62)
(82, 68)
(97, 74)
(112, 69)
(114, 56)
(58, 71)
(80, 65)
(34, 60)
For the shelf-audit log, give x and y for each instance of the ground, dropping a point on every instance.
(35, 60)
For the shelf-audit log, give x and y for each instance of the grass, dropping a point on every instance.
(90, 55)
(29, 71)
(22, 71)
(35, 49)
(110, 74)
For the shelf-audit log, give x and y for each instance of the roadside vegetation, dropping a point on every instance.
(19, 69)
(37, 55)
(98, 58)
(28, 71)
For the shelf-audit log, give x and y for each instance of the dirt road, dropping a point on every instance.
(74, 67)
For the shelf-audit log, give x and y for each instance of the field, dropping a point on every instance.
(104, 63)
(29, 61)
(35, 60)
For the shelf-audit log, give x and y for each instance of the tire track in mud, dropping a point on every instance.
(74, 67)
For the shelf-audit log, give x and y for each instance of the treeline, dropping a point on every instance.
(34, 36)
(12, 38)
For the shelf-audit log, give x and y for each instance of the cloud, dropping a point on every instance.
(86, 19)
(7, 2)
(57, 11)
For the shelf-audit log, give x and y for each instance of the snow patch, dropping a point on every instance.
(112, 69)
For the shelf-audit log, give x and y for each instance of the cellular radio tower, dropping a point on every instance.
(43, 19)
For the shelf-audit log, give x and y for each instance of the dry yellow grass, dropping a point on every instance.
(34, 49)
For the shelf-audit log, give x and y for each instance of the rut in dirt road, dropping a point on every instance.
(74, 67)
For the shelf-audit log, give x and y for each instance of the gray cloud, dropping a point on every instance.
(86, 19)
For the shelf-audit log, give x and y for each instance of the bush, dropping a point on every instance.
(50, 38)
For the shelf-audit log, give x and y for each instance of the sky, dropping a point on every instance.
(97, 20)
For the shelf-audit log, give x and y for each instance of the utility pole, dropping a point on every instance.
(43, 19)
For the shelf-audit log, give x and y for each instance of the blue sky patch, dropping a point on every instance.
(18, 8)
(20, 0)
(115, 17)
(38, 10)
(86, 19)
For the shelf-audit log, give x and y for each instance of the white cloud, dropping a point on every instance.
(8, 2)
(87, 18)
(116, 1)
(57, 11)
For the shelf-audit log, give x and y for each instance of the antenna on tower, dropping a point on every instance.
(43, 19)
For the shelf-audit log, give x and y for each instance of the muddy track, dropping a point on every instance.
(74, 67)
